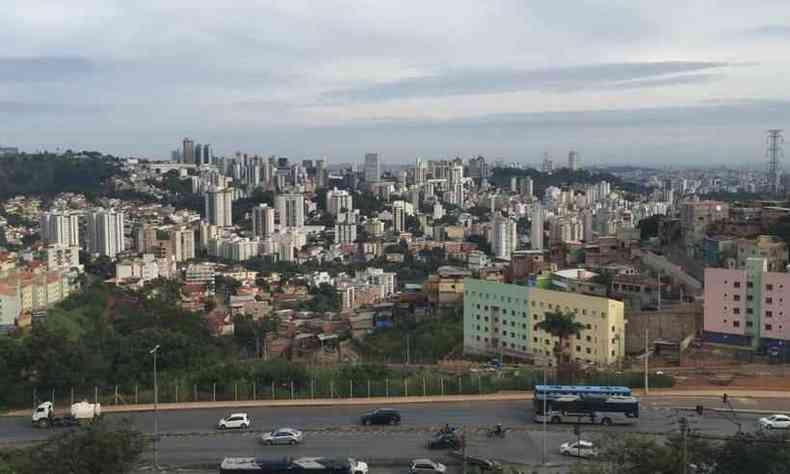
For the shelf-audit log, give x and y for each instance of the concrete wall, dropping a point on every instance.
(673, 323)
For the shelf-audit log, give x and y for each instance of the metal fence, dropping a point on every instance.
(313, 388)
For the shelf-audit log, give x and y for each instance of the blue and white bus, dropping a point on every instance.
(605, 405)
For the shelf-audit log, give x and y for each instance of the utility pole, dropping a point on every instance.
(155, 351)
(774, 152)
(545, 415)
(647, 355)
(684, 435)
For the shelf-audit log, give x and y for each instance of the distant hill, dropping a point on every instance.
(48, 174)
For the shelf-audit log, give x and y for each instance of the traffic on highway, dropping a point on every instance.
(508, 431)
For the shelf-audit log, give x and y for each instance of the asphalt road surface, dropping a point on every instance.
(189, 437)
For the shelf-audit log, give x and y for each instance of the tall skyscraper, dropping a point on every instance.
(398, 216)
(536, 229)
(188, 151)
(420, 171)
(290, 207)
(105, 229)
(372, 170)
(548, 166)
(58, 227)
(587, 222)
(219, 207)
(262, 220)
(505, 238)
(573, 160)
(338, 200)
(206, 154)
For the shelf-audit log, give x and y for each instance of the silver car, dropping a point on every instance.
(282, 436)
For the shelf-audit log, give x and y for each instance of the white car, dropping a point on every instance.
(582, 449)
(235, 420)
(426, 465)
(282, 436)
(775, 422)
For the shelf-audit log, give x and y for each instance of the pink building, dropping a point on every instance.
(747, 307)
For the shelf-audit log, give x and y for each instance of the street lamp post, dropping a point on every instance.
(154, 352)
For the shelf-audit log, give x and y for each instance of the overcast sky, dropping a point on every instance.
(651, 82)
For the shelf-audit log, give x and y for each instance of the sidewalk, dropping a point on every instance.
(384, 401)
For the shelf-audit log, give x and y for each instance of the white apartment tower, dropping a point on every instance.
(536, 230)
(262, 220)
(105, 231)
(398, 217)
(505, 238)
(219, 205)
(60, 228)
(338, 200)
(290, 207)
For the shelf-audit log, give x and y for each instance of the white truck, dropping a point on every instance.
(44, 415)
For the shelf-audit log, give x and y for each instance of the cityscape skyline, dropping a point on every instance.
(620, 83)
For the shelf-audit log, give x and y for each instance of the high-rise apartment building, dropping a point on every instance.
(339, 200)
(219, 207)
(505, 239)
(188, 151)
(105, 232)
(398, 216)
(372, 168)
(573, 160)
(536, 228)
(502, 319)
(262, 220)
(290, 208)
(60, 227)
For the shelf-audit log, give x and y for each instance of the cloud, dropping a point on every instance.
(43, 69)
(18, 109)
(769, 31)
(504, 80)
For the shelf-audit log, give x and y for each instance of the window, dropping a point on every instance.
(749, 311)
(736, 324)
(478, 317)
(512, 312)
(769, 287)
(736, 310)
(512, 334)
(749, 297)
(589, 339)
(736, 284)
(769, 314)
(589, 326)
(485, 319)
(749, 284)
(578, 348)
(736, 297)
(535, 340)
(478, 306)
(589, 351)
(478, 338)
(768, 327)
(749, 324)
(478, 328)
(769, 300)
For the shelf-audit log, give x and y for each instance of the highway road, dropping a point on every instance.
(189, 437)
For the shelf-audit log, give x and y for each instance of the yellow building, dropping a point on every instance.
(502, 319)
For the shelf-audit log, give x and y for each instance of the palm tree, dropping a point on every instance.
(563, 326)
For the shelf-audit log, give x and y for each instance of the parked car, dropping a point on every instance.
(426, 465)
(235, 420)
(581, 448)
(445, 441)
(381, 416)
(775, 422)
(282, 436)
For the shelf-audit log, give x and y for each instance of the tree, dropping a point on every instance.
(562, 326)
(96, 448)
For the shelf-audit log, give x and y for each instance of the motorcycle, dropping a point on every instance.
(497, 433)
